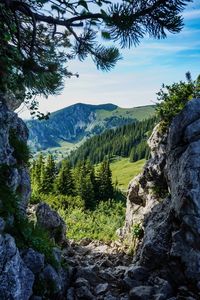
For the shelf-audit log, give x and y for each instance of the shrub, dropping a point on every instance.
(30, 235)
(100, 224)
(174, 98)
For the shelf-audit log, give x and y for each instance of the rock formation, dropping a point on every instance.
(24, 272)
(170, 246)
(13, 137)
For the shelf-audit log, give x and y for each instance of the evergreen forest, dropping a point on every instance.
(129, 140)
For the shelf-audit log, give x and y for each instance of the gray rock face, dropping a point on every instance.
(33, 260)
(52, 222)
(170, 246)
(16, 280)
(143, 189)
(17, 172)
(141, 293)
(183, 169)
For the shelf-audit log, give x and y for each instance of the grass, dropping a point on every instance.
(139, 113)
(100, 224)
(123, 171)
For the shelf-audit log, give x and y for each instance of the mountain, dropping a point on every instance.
(69, 126)
(129, 140)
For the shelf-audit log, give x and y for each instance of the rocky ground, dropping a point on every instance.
(104, 271)
(97, 270)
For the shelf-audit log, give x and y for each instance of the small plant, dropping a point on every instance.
(21, 150)
(137, 231)
(160, 191)
(30, 235)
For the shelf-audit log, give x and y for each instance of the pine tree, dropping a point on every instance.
(105, 181)
(64, 184)
(48, 175)
(83, 184)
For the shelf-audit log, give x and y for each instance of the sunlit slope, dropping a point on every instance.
(123, 171)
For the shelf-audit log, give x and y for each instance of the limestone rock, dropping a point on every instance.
(141, 293)
(143, 189)
(2, 225)
(33, 260)
(17, 176)
(16, 280)
(183, 165)
(52, 222)
(51, 281)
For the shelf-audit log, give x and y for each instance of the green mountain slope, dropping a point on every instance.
(69, 127)
(123, 171)
(128, 140)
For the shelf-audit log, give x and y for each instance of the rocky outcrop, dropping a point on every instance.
(170, 246)
(16, 280)
(14, 172)
(144, 190)
(51, 221)
(24, 272)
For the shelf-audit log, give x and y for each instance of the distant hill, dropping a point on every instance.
(72, 125)
(129, 140)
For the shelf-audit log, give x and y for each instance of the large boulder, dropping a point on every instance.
(16, 280)
(51, 221)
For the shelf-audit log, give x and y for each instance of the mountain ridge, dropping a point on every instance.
(80, 121)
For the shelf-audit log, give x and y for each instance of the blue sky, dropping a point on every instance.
(138, 77)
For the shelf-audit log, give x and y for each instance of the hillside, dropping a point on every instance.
(125, 141)
(123, 171)
(68, 127)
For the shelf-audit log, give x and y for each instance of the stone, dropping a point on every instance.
(89, 274)
(17, 175)
(70, 294)
(160, 297)
(51, 221)
(16, 280)
(141, 293)
(137, 273)
(57, 254)
(83, 293)
(2, 225)
(33, 260)
(129, 283)
(101, 288)
(51, 280)
(163, 287)
(81, 282)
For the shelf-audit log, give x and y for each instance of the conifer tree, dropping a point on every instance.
(38, 37)
(64, 184)
(105, 181)
(48, 175)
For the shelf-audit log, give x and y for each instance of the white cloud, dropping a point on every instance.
(191, 14)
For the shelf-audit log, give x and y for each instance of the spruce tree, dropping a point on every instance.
(105, 181)
(64, 184)
(48, 175)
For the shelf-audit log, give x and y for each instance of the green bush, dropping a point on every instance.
(100, 224)
(30, 235)
(174, 98)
